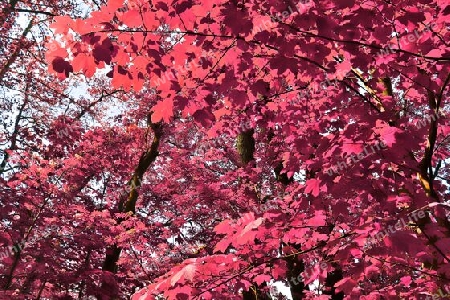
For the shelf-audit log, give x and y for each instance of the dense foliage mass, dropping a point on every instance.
(225, 149)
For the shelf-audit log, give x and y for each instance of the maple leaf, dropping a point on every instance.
(313, 186)
(150, 20)
(259, 279)
(223, 227)
(318, 219)
(163, 110)
(345, 285)
(132, 18)
(62, 66)
(62, 24)
(350, 147)
(187, 273)
(84, 63)
(102, 53)
(239, 98)
(114, 4)
(342, 69)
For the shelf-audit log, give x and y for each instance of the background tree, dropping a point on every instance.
(221, 109)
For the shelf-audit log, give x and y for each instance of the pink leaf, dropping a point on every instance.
(318, 219)
(346, 285)
(313, 186)
(163, 111)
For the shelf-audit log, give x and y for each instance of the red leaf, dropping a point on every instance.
(163, 111)
(150, 21)
(62, 24)
(84, 63)
(318, 219)
(239, 98)
(132, 18)
(222, 245)
(114, 4)
(259, 279)
(346, 285)
(342, 69)
(313, 186)
(223, 227)
(187, 273)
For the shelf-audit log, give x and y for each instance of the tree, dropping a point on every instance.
(335, 113)
(43, 124)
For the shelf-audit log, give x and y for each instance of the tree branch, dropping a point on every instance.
(34, 11)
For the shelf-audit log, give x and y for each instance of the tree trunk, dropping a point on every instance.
(129, 205)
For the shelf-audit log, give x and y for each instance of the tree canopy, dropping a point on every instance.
(225, 149)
